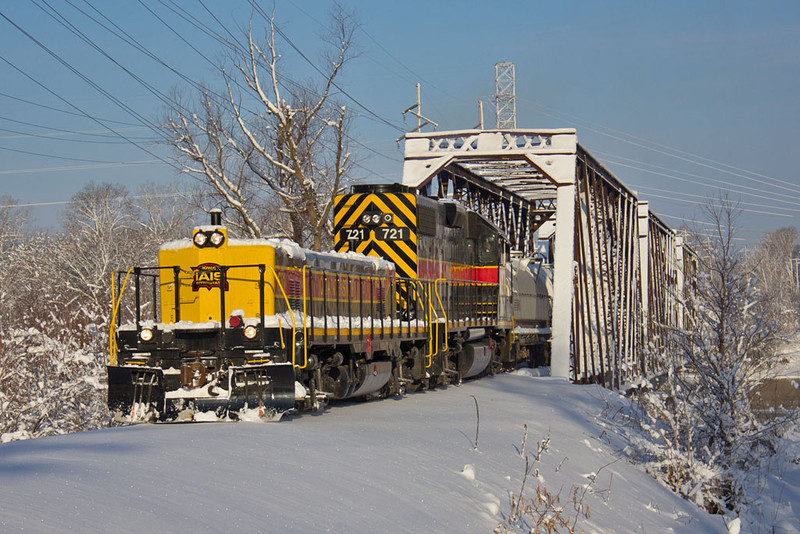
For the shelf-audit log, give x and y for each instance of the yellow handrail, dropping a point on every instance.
(291, 314)
(511, 309)
(444, 312)
(305, 321)
(433, 325)
(112, 338)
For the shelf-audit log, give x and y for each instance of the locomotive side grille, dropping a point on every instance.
(389, 231)
(294, 292)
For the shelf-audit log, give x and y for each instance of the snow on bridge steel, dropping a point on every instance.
(619, 271)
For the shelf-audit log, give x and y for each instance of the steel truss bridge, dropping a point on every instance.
(620, 273)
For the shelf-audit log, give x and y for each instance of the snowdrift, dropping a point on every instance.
(407, 465)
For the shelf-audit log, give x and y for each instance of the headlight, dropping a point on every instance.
(376, 218)
(200, 239)
(365, 218)
(388, 218)
(146, 335)
(217, 238)
(250, 332)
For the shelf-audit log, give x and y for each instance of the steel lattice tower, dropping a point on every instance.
(505, 95)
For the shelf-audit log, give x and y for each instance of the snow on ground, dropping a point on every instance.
(392, 465)
(789, 358)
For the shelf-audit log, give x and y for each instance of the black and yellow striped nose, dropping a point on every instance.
(379, 224)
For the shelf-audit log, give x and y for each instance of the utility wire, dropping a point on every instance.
(705, 201)
(745, 210)
(61, 19)
(101, 165)
(792, 187)
(93, 133)
(72, 69)
(235, 48)
(39, 154)
(57, 137)
(694, 182)
(6, 95)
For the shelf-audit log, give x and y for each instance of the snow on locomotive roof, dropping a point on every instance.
(176, 244)
(291, 249)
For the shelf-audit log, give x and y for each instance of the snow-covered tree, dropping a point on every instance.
(55, 304)
(265, 141)
(771, 263)
(12, 219)
(705, 428)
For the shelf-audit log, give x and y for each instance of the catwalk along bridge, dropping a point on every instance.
(620, 273)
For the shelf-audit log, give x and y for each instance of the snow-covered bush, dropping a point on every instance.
(48, 386)
(55, 305)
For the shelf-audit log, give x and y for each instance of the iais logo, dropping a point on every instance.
(207, 275)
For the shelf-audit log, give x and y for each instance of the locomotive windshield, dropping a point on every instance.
(488, 251)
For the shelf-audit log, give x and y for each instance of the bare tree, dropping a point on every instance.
(12, 219)
(162, 213)
(97, 225)
(266, 138)
(771, 263)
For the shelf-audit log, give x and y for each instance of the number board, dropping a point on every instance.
(356, 234)
(392, 233)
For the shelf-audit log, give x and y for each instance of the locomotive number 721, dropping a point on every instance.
(356, 234)
(391, 233)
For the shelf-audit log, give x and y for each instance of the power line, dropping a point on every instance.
(230, 44)
(675, 177)
(123, 123)
(72, 28)
(686, 159)
(417, 77)
(745, 210)
(30, 153)
(79, 167)
(72, 69)
(92, 133)
(63, 202)
(649, 188)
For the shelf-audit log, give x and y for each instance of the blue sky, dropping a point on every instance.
(679, 99)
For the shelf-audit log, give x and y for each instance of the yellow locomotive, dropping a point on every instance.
(420, 292)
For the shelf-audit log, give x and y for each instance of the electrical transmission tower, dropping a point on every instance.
(505, 95)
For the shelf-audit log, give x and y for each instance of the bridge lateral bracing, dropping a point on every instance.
(619, 272)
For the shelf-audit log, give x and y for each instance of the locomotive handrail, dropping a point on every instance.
(511, 310)
(305, 320)
(291, 314)
(434, 342)
(444, 312)
(112, 341)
